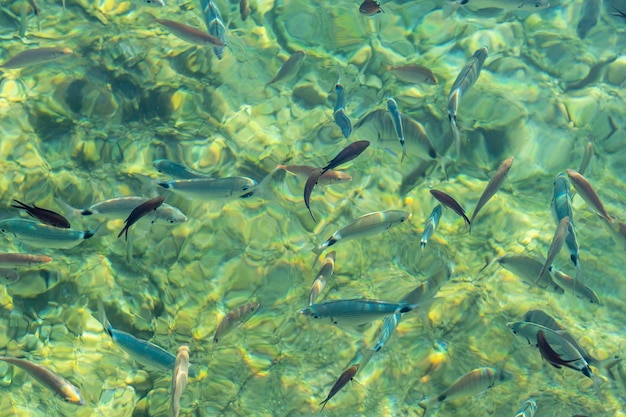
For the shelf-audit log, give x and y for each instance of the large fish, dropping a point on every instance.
(355, 312)
(493, 186)
(41, 235)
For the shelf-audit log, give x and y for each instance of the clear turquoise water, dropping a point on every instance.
(87, 128)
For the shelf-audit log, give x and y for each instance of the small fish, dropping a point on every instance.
(118, 208)
(36, 56)
(527, 269)
(322, 277)
(389, 326)
(370, 8)
(211, 188)
(345, 377)
(589, 14)
(179, 378)
(464, 81)
(414, 74)
(586, 191)
(528, 409)
(177, 170)
(327, 178)
(562, 207)
(56, 383)
(308, 189)
(366, 225)
(448, 201)
(431, 225)
(472, 383)
(188, 33)
(215, 25)
(22, 260)
(45, 216)
(618, 13)
(555, 247)
(339, 112)
(138, 212)
(244, 9)
(522, 5)
(493, 186)
(576, 287)
(234, 318)
(584, 164)
(347, 154)
(289, 68)
(392, 107)
(575, 361)
(41, 235)
(355, 312)
(8, 276)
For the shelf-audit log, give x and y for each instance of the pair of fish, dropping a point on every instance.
(345, 155)
(327, 178)
(140, 211)
(118, 208)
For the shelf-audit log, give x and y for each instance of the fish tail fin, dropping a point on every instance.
(70, 211)
(102, 316)
(20, 205)
(404, 154)
(91, 233)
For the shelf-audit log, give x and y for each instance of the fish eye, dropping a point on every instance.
(315, 316)
(402, 219)
(3, 230)
(172, 221)
(245, 187)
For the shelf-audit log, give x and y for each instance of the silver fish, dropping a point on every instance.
(214, 24)
(22, 260)
(389, 326)
(328, 177)
(41, 235)
(396, 120)
(211, 188)
(577, 288)
(234, 318)
(528, 409)
(322, 277)
(179, 378)
(586, 191)
(562, 207)
(177, 170)
(354, 312)
(118, 208)
(36, 56)
(431, 225)
(555, 247)
(528, 269)
(493, 186)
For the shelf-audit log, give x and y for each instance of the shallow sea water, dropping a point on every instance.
(88, 127)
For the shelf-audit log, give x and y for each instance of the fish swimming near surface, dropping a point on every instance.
(355, 312)
(552, 357)
(179, 378)
(211, 188)
(414, 74)
(322, 277)
(234, 318)
(56, 383)
(38, 56)
(370, 8)
(215, 25)
(189, 33)
(562, 207)
(37, 234)
(575, 287)
(396, 119)
(449, 201)
(22, 260)
(431, 225)
(289, 68)
(45, 216)
(345, 377)
(587, 192)
(140, 211)
(493, 186)
(528, 268)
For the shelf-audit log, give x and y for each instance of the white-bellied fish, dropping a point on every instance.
(493, 186)
(322, 277)
(586, 191)
(555, 247)
(396, 119)
(36, 56)
(56, 383)
(179, 378)
(214, 24)
(528, 409)
(355, 312)
(177, 170)
(528, 268)
(41, 235)
(235, 317)
(151, 3)
(414, 73)
(118, 208)
(464, 81)
(211, 188)
(345, 377)
(575, 287)
(289, 68)
(449, 201)
(45, 216)
(327, 178)
(140, 211)
(339, 112)
(431, 225)
(22, 260)
(189, 33)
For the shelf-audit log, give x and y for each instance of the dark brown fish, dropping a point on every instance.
(345, 377)
(140, 211)
(308, 188)
(244, 9)
(450, 202)
(550, 355)
(370, 8)
(48, 217)
(290, 67)
(347, 154)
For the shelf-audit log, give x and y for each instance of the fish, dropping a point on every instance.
(179, 378)
(22, 260)
(472, 383)
(152, 3)
(37, 56)
(589, 14)
(41, 235)
(464, 81)
(339, 112)
(389, 326)
(188, 33)
(214, 24)
(322, 277)
(576, 287)
(177, 170)
(118, 208)
(211, 188)
(45, 216)
(555, 247)
(49, 379)
(8, 276)
(234, 318)
(140, 211)
(366, 225)
(528, 409)
(562, 207)
(584, 164)
(528, 268)
(327, 178)
(431, 225)
(347, 154)
(414, 74)
(289, 68)
(354, 312)
(587, 192)
(492, 186)
(244, 9)
(392, 107)
(521, 5)
(448, 201)
(345, 377)
(370, 8)
(554, 358)
(311, 181)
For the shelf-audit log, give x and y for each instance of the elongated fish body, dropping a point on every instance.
(586, 191)
(45, 216)
(41, 235)
(472, 383)
(431, 225)
(427, 289)
(327, 178)
(179, 378)
(584, 164)
(367, 225)
(36, 56)
(140, 211)
(235, 317)
(562, 207)
(521, 5)
(322, 277)
(449, 201)
(289, 68)
(464, 81)
(577, 288)
(188, 33)
(119, 208)
(396, 120)
(389, 326)
(339, 113)
(211, 188)
(177, 170)
(345, 377)
(528, 409)
(493, 186)
(214, 24)
(347, 154)
(589, 14)
(8, 276)
(22, 260)
(151, 3)
(56, 383)
(415, 74)
(354, 312)
(528, 269)
(555, 247)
